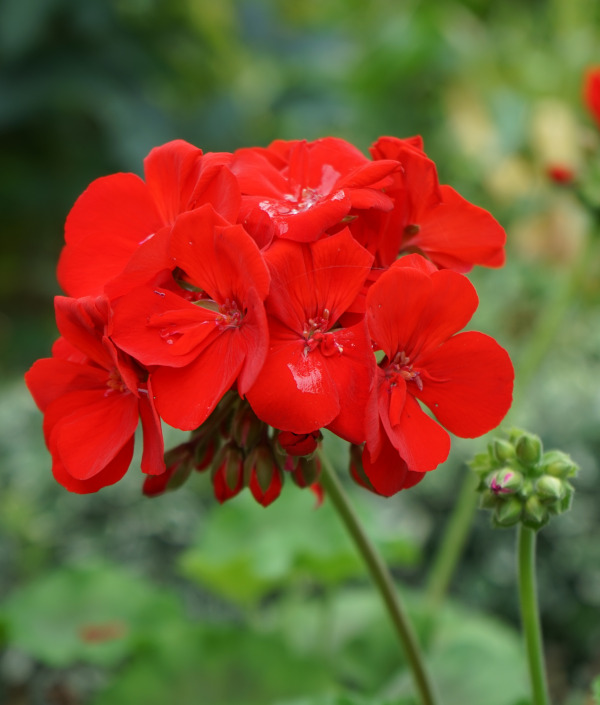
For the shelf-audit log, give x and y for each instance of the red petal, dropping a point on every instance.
(294, 392)
(456, 234)
(253, 341)
(104, 228)
(83, 323)
(389, 473)
(421, 442)
(153, 462)
(88, 428)
(353, 372)
(51, 378)
(108, 475)
(231, 262)
(150, 258)
(395, 303)
(451, 304)
(146, 319)
(171, 172)
(219, 187)
(307, 279)
(467, 383)
(186, 396)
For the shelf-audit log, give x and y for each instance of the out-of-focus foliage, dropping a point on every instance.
(88, 87)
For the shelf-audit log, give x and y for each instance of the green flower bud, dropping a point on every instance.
(529, 449)
(519, 482)
(558, 464)
(506, 481)
(535, 515)
(550, 489)
(503, 451)
(508, 513)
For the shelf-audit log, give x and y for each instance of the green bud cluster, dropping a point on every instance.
(519, 482)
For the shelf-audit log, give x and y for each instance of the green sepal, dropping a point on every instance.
(508, 513)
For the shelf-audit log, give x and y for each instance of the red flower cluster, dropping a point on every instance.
(258, 296)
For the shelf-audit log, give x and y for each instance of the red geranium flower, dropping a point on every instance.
(307, 187)
(118, 214)
(414, 313)
(430, 218)
(92, 397)
(316, 373)
(198, 349)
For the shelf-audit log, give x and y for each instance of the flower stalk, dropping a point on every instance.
(526, 540)
(382, 579)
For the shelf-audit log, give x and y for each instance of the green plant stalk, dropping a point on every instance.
(530, 615)
(548, 325)
(453, 541)
(383, 580)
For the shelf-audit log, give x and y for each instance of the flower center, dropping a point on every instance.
(400, 366)
(229, 316)
(315, 334)
(115, 382)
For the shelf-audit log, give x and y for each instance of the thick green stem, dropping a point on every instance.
(530, 615)
(383, 580)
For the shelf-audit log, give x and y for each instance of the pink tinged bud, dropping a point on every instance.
(506, 482)
(497, 488)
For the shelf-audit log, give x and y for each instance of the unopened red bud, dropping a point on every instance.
(228, 478)
(356, 468)
(205, 453)
(299, 444)
(246, 427)
(307, 471)
(265, 478)
(179, 463)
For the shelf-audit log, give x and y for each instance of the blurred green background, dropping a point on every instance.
(114, 598)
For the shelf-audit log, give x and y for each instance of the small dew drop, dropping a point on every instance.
(170, 341)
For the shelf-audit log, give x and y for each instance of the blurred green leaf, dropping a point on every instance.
(244, 551)
(596, 690)
(474, 659)
(218, 664)
(94, 614)
(346, 699)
